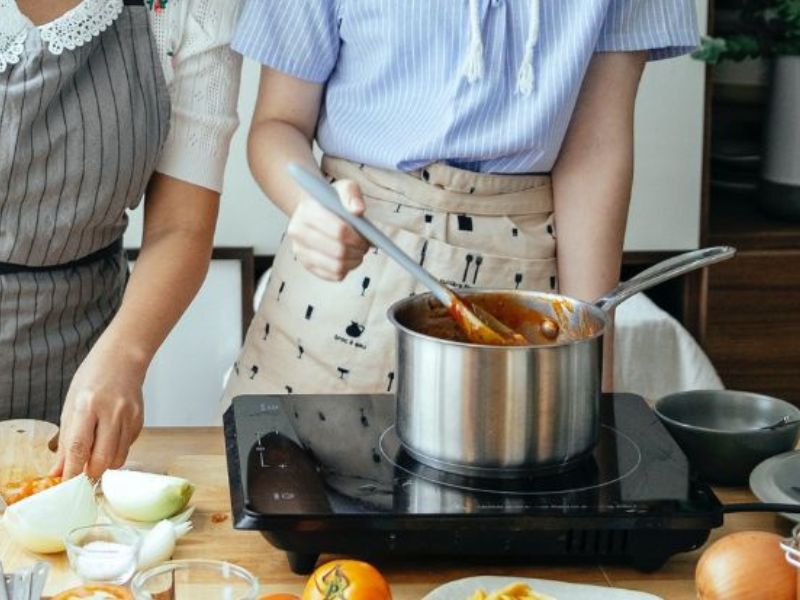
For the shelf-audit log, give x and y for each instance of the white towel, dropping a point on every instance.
(654, 355)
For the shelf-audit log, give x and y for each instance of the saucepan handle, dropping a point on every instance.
(663, 271)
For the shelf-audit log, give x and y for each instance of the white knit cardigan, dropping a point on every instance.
(201, 71)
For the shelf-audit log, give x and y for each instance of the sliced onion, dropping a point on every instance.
(145, 497)
(144, 526)
(745, 566)
(41, 522)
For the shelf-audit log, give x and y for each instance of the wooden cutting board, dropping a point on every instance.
(25, 449)
(212, 536)
(25, 452)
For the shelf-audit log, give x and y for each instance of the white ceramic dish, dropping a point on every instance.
(462, 589)
(777, 479)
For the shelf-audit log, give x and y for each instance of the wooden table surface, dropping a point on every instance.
(198, 454)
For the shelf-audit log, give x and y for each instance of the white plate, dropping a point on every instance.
(463, 589)
(777, 479)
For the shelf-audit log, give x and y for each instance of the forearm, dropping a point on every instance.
(591, 192)
(272, 145)
(169, 271)
(284, 124)
(593, 175)
(170, 268)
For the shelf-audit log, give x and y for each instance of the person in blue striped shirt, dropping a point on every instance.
(492, 139)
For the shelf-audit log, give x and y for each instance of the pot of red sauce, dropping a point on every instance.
(506, 411)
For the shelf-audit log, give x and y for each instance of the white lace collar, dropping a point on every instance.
(71, 30)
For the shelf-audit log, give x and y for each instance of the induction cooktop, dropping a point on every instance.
(327, 474)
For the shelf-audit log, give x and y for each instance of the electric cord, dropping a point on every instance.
(744, 507)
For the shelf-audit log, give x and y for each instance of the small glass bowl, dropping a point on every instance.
(193, 579)
(103, 553)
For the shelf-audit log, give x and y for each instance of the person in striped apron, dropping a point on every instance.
(481, 135)
(103, 102)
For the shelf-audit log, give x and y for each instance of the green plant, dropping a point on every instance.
(768, 28)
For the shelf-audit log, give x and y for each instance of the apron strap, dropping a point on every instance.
(443, 188)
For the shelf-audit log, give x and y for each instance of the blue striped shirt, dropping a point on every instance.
(396, 93)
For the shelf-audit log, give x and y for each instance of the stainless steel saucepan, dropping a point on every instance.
(504, 411)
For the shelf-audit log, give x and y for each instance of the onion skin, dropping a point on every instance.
(747, 565)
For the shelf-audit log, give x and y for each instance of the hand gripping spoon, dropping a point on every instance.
(479, 325)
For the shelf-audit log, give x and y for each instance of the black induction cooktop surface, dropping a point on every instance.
(328, 474)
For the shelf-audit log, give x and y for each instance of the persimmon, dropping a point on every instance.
(347, 580)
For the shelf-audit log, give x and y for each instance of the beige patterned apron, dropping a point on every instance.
(312, 336)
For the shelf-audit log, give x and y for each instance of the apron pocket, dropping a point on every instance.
(473, 267)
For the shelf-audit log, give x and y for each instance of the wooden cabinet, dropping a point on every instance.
(752, 317)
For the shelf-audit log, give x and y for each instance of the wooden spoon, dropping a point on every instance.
(478, 324)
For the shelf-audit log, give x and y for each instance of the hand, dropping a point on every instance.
(102, 415)
(323, 243)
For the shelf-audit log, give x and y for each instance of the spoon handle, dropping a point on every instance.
(3, 588)
(39, 579)
(325, 194)
(22, 586)
(784, 422)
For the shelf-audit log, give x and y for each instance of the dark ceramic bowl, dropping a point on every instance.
(720, 431)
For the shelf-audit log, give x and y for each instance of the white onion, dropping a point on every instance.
(158, 544)
(145, 496)
(144, 526)
(41, 522)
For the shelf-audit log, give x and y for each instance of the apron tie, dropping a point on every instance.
(473, 69)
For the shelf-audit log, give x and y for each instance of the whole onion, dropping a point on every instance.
(747, 565)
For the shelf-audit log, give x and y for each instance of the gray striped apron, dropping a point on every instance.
(80, 134)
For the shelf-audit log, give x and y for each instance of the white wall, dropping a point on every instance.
(185, 380)
(665, 207)
(665, 210)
